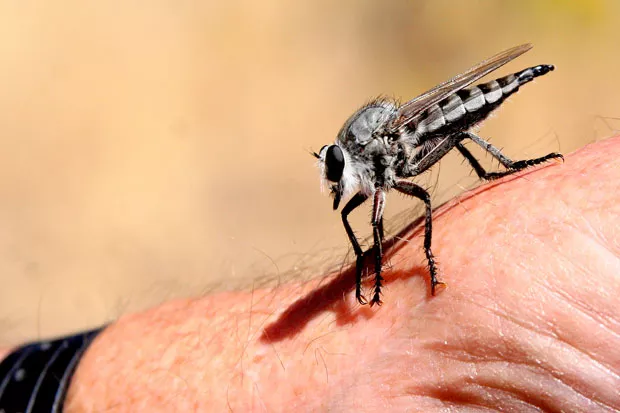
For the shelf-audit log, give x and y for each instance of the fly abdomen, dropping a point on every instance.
(465, 108)
(494, 92)
(499, 89)
(530, 73)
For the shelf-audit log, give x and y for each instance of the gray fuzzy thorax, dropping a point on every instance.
(371, 152)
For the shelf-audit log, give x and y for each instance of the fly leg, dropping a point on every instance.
(378, 206)
(480, 171)
(510, 165)
(411, 189)
(356, 201)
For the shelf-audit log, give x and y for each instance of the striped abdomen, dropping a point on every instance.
(465, 108)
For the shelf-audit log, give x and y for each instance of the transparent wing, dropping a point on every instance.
(410, 110)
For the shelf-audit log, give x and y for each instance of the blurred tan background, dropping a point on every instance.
(152, 150)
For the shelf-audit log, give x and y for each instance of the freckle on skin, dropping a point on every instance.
(257, 358)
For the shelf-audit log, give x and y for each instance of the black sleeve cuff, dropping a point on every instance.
(35, 377)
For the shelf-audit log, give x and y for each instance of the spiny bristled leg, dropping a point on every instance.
(509, 164)
(356, 201)
(411, 189)
(378, 206)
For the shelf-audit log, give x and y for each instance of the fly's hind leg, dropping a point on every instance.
(510, 165)
(411, 189)
(480, 171)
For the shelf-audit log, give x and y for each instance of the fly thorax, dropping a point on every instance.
(360, 128)
(376, 147)
(347, 166)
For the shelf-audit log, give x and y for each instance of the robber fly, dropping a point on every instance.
(384, 143)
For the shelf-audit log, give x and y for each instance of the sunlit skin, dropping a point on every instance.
(529, 319)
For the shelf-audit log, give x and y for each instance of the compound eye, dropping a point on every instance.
(334, 163)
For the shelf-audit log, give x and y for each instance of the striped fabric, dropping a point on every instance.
(35, 377)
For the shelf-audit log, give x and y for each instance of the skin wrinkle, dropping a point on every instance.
(576, 265)
(475, 372)
(584, 221)
(583, 240)
(524, 398)
(448, 353)
(454, 389)
(579, 306)
(600, 239)
(453, 402)
(571, 389)
(453, 407)
(549, 334)
(510, 397)
(522, 394)
(584, 309)
(552, 372)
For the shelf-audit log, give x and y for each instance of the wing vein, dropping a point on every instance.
(411, 110)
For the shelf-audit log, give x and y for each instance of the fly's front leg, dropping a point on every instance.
(356, 201)
(411, 189)
(509, 164)
(378, 206)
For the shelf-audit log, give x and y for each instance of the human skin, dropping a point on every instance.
(529, 319)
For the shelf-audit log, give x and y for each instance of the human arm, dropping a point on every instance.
(529, 320)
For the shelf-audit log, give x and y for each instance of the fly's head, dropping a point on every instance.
(333, 163)
(347, 165)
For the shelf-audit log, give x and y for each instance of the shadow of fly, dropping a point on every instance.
(385, 143)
